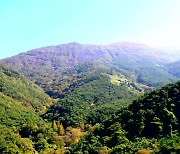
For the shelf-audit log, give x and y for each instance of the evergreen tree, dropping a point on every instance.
(54, 126)
(61, 130)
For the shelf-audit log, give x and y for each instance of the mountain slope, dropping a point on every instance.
(149, 125)
(100, 96)
(57, 68)
(155, 113)
(174, 68)
(20, 125)
(19, 88)
(22, 130)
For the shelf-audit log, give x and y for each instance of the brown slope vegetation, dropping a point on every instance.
(56, 68)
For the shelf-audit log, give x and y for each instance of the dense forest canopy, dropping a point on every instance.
(150, 124)
(106, 128)
(101, 95)
(21, 89)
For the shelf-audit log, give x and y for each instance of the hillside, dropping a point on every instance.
(15, 116)
(19, 88)
(22, 130)
(155, 120)
(100, 106)
(57, 68)
(174, 68)
(100, 95)
(94, 84)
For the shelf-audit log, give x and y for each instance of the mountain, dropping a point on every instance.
(149, 125)
(93, 81)
(58, 68)
(92, 93)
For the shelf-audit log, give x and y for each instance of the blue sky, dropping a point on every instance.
(28, 24)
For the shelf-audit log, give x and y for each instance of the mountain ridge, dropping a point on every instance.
(60, 64)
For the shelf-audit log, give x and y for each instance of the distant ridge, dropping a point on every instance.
(55, 65)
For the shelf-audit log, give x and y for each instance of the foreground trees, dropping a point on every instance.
(149, 124)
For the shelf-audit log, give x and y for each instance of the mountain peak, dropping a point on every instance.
(72, 44)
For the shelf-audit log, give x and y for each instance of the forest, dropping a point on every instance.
(149, 125)
(76, 98)
(143, 123)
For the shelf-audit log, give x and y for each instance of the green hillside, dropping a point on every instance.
(150, 124)
(98, 115)
(19, 88)
(100, 95)
(13, 113)
(22, 130)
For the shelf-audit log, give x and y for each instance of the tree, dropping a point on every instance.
(61, 130)
(54, 126)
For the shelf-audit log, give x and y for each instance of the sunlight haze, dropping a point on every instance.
(30, 24)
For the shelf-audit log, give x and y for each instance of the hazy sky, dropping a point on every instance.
(28, 24)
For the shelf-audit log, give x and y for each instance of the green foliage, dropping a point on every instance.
(92, 102)
(170, 145)
(149, 125)
(155, 113)
(11, 142)
(20, 127)
(14, 85)
(13, 113)
(22, 130)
